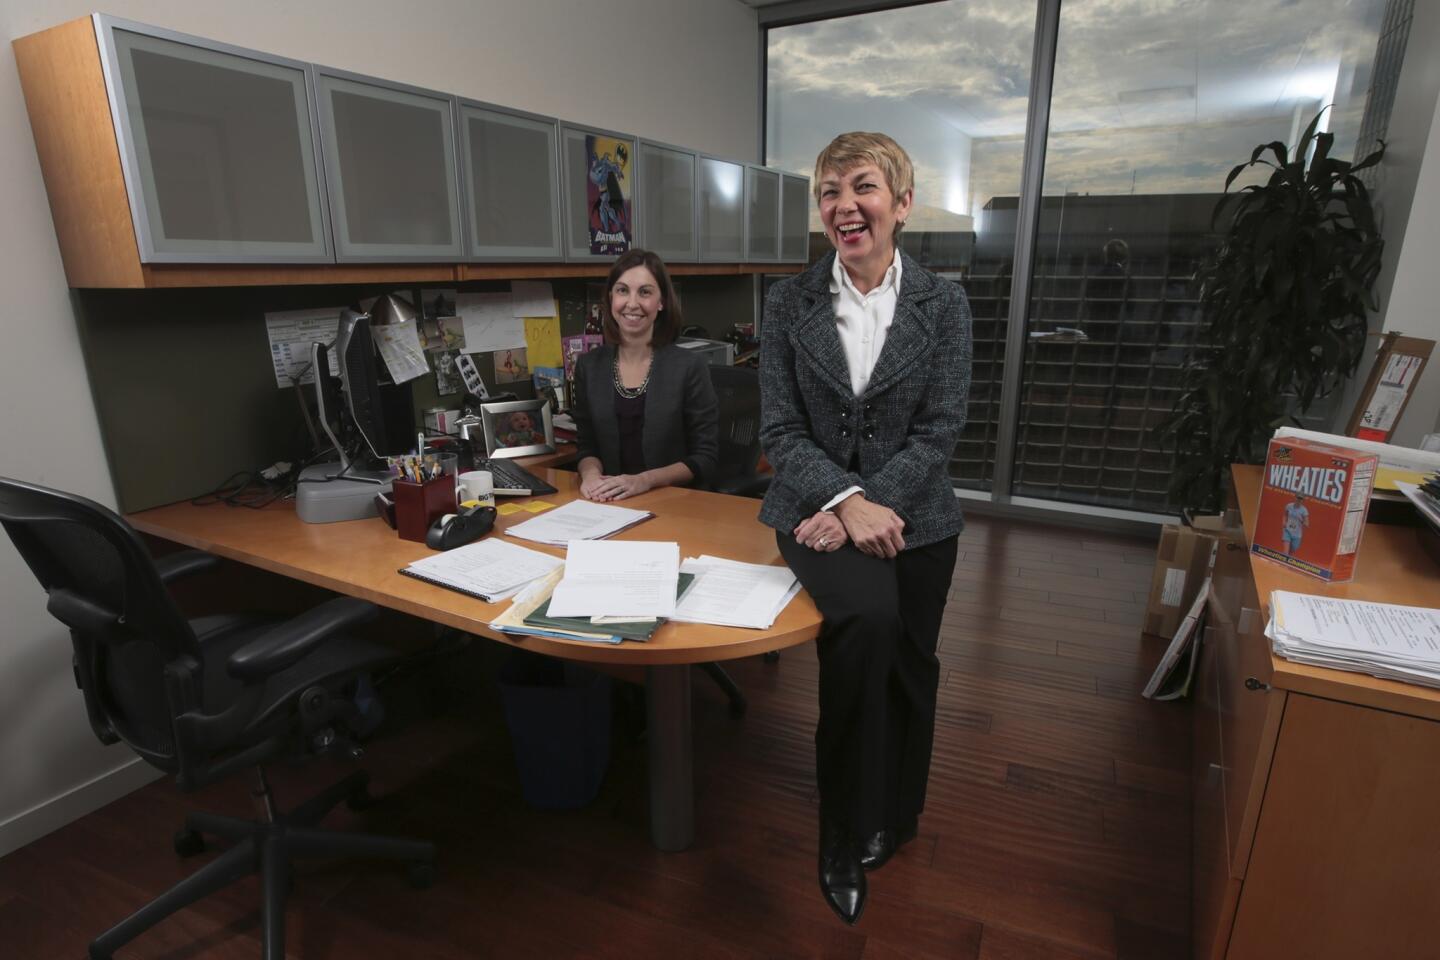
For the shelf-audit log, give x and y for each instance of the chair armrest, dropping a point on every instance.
(173, 566)
(291, 641)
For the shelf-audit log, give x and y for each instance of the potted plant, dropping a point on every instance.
(1283, 310)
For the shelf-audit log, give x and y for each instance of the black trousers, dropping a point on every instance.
(878, 676)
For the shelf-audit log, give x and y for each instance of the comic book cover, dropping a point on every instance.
(1313, 504)
(607, 191)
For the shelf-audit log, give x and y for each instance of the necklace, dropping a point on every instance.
(630, 393)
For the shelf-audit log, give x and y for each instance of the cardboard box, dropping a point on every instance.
(1313, 502)
(1182, 563)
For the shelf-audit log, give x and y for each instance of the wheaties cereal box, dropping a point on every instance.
(1312, 507)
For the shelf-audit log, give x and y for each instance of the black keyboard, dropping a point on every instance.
(513, 480)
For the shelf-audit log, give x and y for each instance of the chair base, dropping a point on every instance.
(732, 691)
(266, 847)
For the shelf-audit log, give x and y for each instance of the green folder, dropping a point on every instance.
(633, 630)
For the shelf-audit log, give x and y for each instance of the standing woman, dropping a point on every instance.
(865, 372)
(645, 411)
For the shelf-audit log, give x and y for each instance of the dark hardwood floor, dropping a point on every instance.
(1057, 826)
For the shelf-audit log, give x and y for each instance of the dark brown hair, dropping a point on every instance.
(667, 321)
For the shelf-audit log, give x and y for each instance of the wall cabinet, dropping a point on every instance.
(722, 209)
(509, 169)
(218, 147)
(390, 168)
(762, 213)
(175, 161)
(666, 206)
(794, 218)
(1314, 829)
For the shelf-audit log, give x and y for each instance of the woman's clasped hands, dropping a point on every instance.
(605, 487)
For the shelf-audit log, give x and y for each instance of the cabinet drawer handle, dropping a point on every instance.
(1252, 684)
(1233, 545)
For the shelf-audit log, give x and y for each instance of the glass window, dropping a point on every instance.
(950, 82)
(1152, 107)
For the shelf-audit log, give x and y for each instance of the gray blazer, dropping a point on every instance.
(895, 442)
(682, 418)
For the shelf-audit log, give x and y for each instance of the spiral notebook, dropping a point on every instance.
(490, 569)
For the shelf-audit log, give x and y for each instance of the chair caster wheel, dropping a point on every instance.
(187, 843)
(360, 799)
(422, 875)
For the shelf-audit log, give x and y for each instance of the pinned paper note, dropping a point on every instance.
(399, 346)
(291, 333)
(542, 341)
(532, 298)
(488, 322)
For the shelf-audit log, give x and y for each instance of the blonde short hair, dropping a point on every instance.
(850, 150)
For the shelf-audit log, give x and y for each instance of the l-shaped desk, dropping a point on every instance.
(362, 558)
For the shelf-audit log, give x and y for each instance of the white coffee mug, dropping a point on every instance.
(475, 485)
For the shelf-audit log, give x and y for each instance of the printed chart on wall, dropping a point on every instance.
(608, 194)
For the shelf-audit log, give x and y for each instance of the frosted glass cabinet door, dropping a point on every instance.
(390, 169)
(794, 218)
(722, 210)
(218, 148)
(511, 173)
(599, 189)
(666, 205)
(762, 214)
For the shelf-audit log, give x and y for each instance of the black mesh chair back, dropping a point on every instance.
(738, 390)
(103, 585)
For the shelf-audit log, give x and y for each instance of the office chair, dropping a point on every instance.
(201, 699)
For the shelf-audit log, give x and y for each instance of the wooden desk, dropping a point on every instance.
(361, 558)
(1315, 826)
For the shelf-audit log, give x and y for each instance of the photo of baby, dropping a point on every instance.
(517, 429)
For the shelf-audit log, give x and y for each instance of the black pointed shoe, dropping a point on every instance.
(842, 879)
(876, 849)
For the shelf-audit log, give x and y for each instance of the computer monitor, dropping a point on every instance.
(359, 379)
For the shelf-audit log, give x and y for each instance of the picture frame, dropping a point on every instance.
(518, 428)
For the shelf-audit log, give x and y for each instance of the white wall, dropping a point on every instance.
(1415, 292)
(680, 71)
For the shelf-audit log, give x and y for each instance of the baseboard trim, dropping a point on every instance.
(32, 824)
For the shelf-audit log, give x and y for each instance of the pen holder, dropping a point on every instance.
(418, 505)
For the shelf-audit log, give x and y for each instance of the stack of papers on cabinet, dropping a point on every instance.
(734, 594)
(488, 569)
(1381, 639)
(578, 520)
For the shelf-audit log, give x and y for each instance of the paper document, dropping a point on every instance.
(1392, 456)
(291, 332)
(632, 579)
(490, 569)
(578, 520)
(1425, 503)
(399, 346)
(512, 621)
(531, 298)
(1381, 639)
(488, 322)
(735, 594)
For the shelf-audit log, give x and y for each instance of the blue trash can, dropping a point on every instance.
(559, 719)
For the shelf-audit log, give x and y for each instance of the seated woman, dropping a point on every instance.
(645, 412)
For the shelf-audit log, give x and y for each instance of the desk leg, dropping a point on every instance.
(672, 768)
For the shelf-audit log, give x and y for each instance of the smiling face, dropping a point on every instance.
(520, 422)
(860, 212)
(635, 301)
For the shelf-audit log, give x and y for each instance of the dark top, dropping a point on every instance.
(896, 440)
(630, 418)
(682, 424)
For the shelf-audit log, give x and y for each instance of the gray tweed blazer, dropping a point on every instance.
(682, 414)
(895, 441)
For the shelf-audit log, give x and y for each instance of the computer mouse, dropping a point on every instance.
(457, 529)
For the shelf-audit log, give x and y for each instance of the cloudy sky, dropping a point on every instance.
(1151, 96)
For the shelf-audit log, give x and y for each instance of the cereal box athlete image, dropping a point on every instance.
(1297, 518)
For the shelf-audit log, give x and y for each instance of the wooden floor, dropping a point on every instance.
(1058, 822)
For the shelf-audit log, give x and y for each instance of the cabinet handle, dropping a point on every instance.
(1245, 621)
(1233, 545)
(1252, 684)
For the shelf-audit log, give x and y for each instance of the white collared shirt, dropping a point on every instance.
(863, 321)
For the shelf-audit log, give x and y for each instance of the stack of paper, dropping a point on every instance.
(630, 580)
(512, 621)
(489, 569)
(1381, 639)
(578, 520)
(735, 594)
